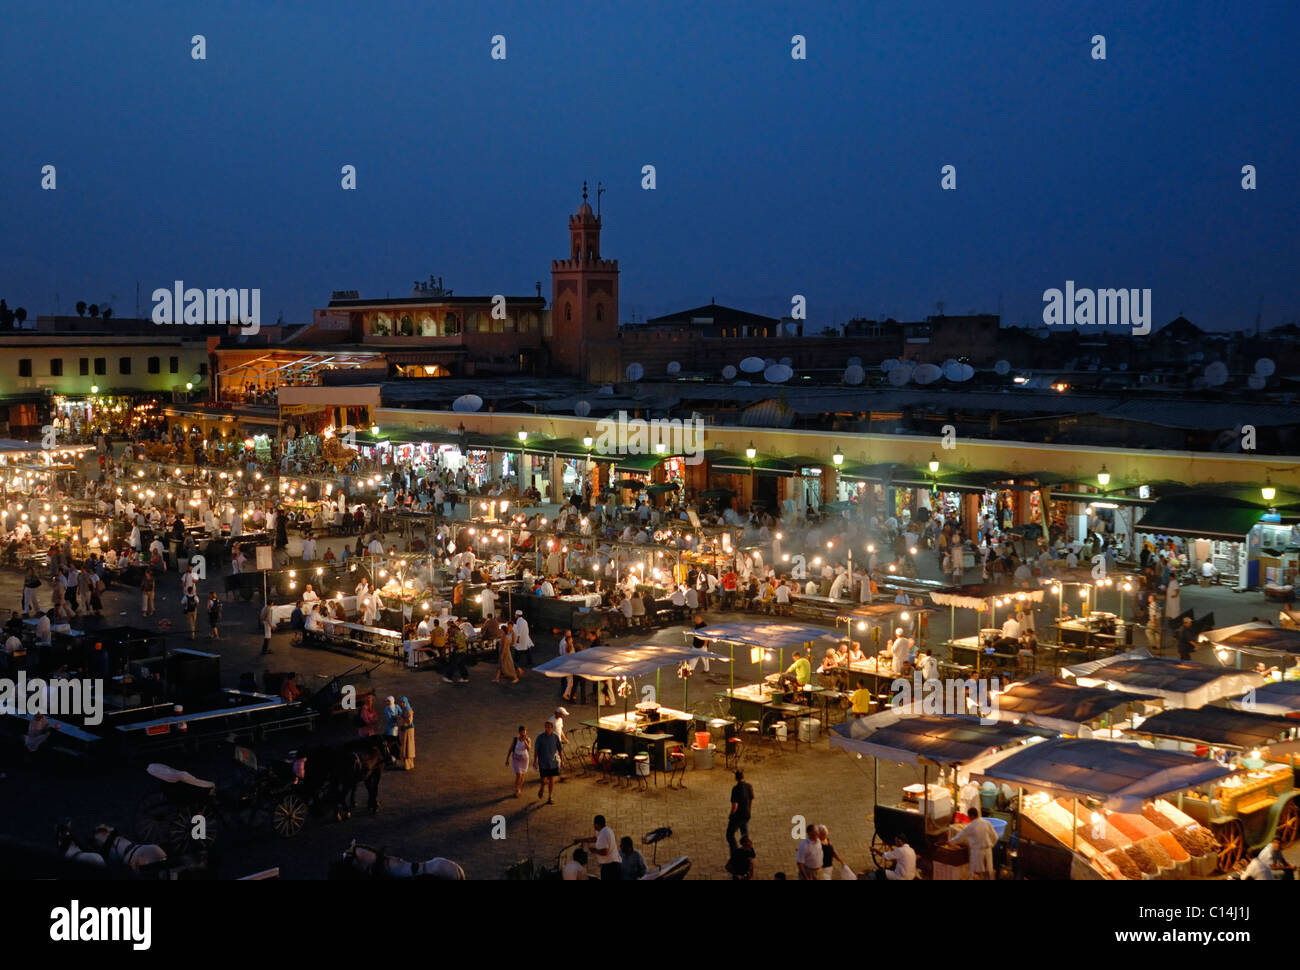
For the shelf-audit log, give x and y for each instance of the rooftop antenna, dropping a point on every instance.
(600, 190)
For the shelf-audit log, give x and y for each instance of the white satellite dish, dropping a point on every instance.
(854, 362)
(778, 374)
(952, 370)
(1216, 375)
(854, 374)
(899, 376)
(1256, 382)
(788, 361)
(728, 373)
(467, 402)
(927, 374)
(887, 365)
(950, 362)
(582, 408)
(1002, 368)
(1265, 367)
(674, 368)
(635, 372)
(607, 390)
(752, 365)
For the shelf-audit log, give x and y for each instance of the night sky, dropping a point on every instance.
(775, 176)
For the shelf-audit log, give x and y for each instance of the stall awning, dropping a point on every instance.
(1121, 775)
(638, 464)
(1219, 726)
(1061, 705)
(761, 465)
(1278, 698)
(1196, 520)
(1182, 683)
(1257, 638)
(951, 739)
(769, 636)
(605, 663)
(977, 596)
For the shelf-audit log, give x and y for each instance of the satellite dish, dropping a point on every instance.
(778, 374)
(1216, 375)
(467, 403)
(855, 361)
(635, 372)
(728, 373)
(888, 365)
(950, 362)
(952, 370)
(742, 384)
(898, 376)
(607, 390)
(854, 374)
(1256, 382)
(1265, 367)
(788, 361)
(674, 368)
(752, 365)
(1002, 368)
(582, 409)
(927, 374)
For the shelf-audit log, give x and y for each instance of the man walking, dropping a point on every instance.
(742, 799)
(546, 749)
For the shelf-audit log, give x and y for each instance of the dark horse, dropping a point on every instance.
(330, 775)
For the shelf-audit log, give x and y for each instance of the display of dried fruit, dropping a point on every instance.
(1142, 860)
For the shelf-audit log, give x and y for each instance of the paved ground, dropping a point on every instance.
(448, 804)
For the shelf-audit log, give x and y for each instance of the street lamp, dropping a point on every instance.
(934, 464)
(587, 442)
(838, 457)
(1268, 491)
(523, 436)
(1103, 477)
(751, 453)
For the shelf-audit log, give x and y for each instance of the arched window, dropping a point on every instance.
(568, 311)
(600, 311)
(408, 325)
(450, 325)
(428, 326)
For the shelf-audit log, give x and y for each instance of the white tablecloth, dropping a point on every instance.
(281, 612)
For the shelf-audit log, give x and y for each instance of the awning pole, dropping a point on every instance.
(1074, 830)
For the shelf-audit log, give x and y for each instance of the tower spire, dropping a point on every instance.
(584, 190)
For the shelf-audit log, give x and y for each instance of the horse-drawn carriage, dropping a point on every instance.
(185, 814)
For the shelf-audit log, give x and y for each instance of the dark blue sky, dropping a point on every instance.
(775, 176)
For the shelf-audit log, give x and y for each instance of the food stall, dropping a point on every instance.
(983, 648)
(1279, 697)
(1179, 683)
(1243, 811)
(924, 813)
(1066, 707)
(1094, 809)
(1262, 644)
(648, 727)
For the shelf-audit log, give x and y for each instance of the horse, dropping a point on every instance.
(337, 771)
(72, 850)
(118, 850)
(366, 862)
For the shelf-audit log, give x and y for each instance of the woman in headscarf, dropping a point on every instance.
(367, 718)
(392, 727)
(406, 735)
(505, 657)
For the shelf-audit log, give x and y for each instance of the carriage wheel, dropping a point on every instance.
(1288, 823)
(1232, 842)
(151, 823)
(288, 816)
(878, 849)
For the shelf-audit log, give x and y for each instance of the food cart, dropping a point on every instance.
(924, 813)
(1094, 809)
(981, 650)
(1260, 644)
(1244, 811)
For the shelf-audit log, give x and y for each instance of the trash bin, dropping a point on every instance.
(704, 757)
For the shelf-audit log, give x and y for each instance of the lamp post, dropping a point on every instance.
(523, 438)
(750, 454)
(587, 442)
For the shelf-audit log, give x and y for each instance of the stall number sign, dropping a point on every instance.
(263, 557)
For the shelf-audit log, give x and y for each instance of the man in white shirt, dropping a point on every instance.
(1023, 574)
(376, 547)
(903, 856)
(782, 596)
(979, 837)
(424, 628)
(576, 868)
(523, 642)
(692, 599)
(808, 857)
(1011, 628)
(902, 599)
(547, 588)
(605, 849)
(1259, 869)
(310, 598)
(840, 584)
(308, 548)
(489, 600)
(1071, 560)
(43, 628)
(900, 650)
